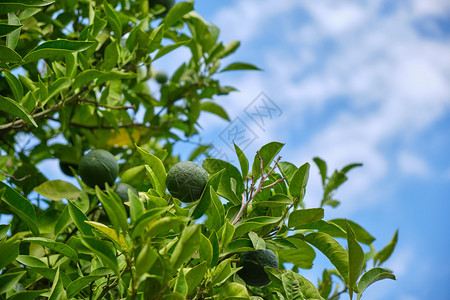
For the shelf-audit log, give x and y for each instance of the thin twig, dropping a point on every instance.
(14, 178)
(107, 127)
(21, 123)
(260, 187)
(84, 100)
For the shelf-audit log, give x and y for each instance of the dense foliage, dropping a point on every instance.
(74, 77)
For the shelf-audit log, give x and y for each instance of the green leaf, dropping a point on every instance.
(295, 284)
(156, 38)
(216, 212)
(103, 251)
(4, 228)
(79, 218)
(216, 248)
(9, 253)
(267, 153)
(325, 227)
(136, 206)
(361, 234)
(118, 238)
(239, 245)
(80, 283)
(299, 180)
(222, 272)
(186, 246)
(27, 295)
(240, 66)
(302, 256)
(145, 260)
(20, 206)
(355, 259)
(12, 107)
(205, 250)
(6, 29)
(58, 190)
(142, 222)
(8, 55)
(305, 216)
(180, 284)
(243, 161)
(29, 101)
(156, 165)
(234, 291)
(31, 261)
(258, 243)
(7, 6)
(205, 199)
(165, 224)
(56, 49)
(55, 246)
(63, 221)
(227, 233)
(177, 12)
(386, 252)
(229, 173)
(332, 250)
(13, 37)
(195, 276)
(9, 280)
(164, 50)
(322, 168)
(253, 223)
(214, 108)
(57, 87)
(372, 276)
(90, 76)
(57, 292)
(113, 20)
(114, 208)
(15, 85)
(156, 184)
(287, 169)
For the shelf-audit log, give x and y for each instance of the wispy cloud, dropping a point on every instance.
(363, 67)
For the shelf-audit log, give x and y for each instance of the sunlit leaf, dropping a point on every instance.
(58, 190)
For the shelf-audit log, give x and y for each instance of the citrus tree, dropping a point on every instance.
(142, 225)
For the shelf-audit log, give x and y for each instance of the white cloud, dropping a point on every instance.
(395, 80)
(412, 164)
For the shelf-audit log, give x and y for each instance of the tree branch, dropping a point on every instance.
(260, 187)
(106, 106)
(21, 123)
(14, 178)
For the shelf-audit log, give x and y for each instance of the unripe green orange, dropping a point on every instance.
(97, 168)
(253, 263)
(186, 181)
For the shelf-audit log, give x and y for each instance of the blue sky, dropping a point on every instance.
(351, 81)
(356, 81)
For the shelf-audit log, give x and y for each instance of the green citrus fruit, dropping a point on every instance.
(253, 263)
(122, 191)
(97, 168)
(186, 181)
(161, 77)
(64, 166)
(167, 4)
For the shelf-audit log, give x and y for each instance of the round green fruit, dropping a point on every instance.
(161, 77)
(186, 181)
(97, 168)
(253, 263)
(64, 166)
(122, 191)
